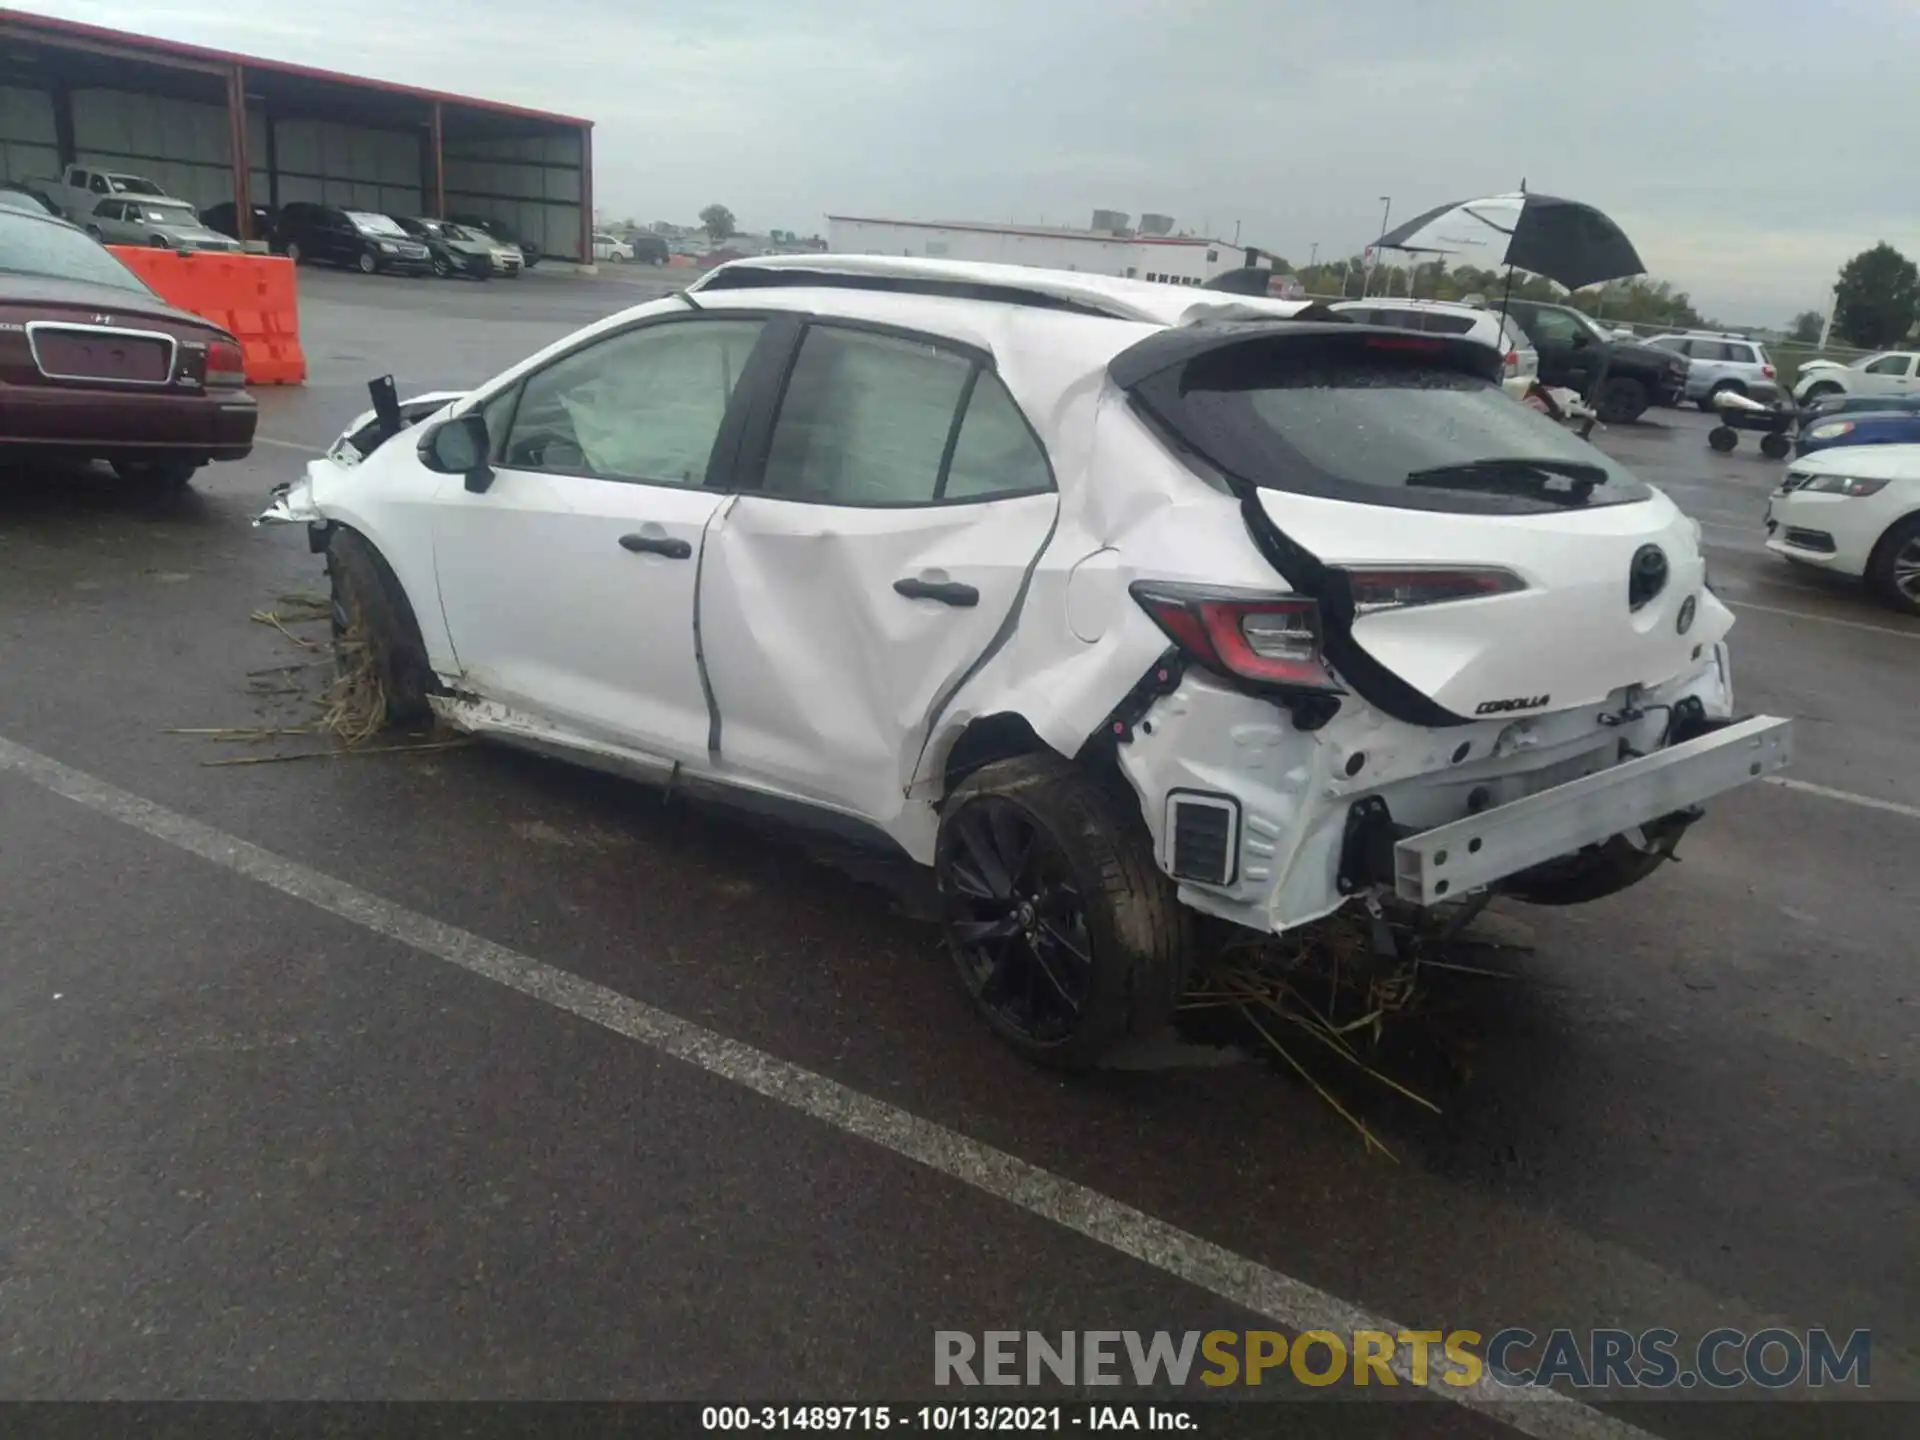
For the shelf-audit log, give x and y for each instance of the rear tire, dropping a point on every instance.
(366, 594)
(1622, 402)
(1821, 392)
(1066, 935)
(294, 253)
(1893, 571)
(1775, 446)
(1723, 438)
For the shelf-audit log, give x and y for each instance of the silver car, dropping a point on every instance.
(166, 224)
(1718, 363)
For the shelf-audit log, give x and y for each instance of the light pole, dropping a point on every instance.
(1366, 283)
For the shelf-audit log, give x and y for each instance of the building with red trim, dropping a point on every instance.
(212, 127)
(1172, 259)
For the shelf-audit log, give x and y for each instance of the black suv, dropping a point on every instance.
(361, 239)
(1572, 347)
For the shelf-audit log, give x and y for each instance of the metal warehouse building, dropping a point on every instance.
(211, 127)
(1110, 250)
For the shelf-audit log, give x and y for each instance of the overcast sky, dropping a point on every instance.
(1748, 148)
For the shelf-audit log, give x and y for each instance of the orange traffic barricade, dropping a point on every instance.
(251, 296)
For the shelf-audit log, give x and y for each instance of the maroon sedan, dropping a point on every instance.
(95, 366)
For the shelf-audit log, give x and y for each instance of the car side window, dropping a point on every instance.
(996, 452)
(1890, 365)
(98, 185)
(1441, 322)
(644, 406)
(1672, 343)
(1552, 325)
(865, 419)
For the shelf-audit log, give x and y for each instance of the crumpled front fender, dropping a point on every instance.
(292, 504)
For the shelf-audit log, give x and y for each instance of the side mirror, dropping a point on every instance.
(459, 447)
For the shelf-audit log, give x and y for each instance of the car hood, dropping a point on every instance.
(1867, 462)
(468, 247)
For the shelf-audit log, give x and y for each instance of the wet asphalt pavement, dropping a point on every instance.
(257, 1147)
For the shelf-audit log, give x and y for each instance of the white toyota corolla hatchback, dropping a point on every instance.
(1115, 603)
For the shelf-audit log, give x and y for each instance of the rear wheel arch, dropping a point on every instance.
(985, 740)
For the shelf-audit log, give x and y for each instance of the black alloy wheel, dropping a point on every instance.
(1017, 922)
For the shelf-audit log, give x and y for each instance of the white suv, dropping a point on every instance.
(1113, 602)
(1445, 317)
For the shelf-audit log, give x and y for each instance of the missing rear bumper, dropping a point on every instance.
(1653, 792)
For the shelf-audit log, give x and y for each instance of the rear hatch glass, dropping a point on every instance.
(1372, 452)
(1390, 424)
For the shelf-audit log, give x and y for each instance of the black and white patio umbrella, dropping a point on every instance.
(1564, 240)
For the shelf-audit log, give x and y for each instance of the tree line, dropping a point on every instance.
(1638, 300)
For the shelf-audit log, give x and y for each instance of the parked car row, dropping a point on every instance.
(122, 209)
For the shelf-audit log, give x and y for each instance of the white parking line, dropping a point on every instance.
(289, 445)
(1869, 802)
(1291, 1304)
(1824, 619)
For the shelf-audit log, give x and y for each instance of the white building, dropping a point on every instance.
(1173, 259)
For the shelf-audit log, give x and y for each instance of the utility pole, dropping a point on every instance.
(1314, 258)
(1826, 325)
(1366, 283)
(1236, 232)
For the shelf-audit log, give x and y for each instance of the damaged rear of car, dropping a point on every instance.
(1496, 648)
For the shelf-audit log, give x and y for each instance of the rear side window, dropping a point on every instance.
(885, 420)
(1443, 322)
(1380, 429)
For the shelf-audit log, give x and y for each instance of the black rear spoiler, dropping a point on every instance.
(1332, 338)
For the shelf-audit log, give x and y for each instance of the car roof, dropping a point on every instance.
(977, 282)
(1406, 303)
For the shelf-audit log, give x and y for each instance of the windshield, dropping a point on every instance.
(1392, 430)
(32, 246)
(372, 224)
(167, 215)
(133, 185)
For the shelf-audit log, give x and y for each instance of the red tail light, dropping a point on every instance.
(226, 365)
(1242, 634)
(1405, 586)
(1767, 370)
(1415, 343)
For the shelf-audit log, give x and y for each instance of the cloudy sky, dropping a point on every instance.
(1748, 148)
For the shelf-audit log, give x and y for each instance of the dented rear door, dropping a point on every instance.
(880, 552)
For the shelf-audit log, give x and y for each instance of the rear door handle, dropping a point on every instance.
(657, 545)
(947, 592)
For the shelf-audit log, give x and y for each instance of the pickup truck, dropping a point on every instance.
(81, 187)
